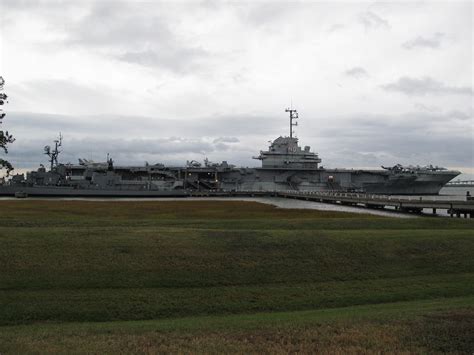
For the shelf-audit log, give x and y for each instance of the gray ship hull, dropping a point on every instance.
(414, 184)
(368, 181)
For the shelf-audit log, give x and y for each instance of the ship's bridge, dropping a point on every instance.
(285, 153)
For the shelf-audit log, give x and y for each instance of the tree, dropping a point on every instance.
(5, 137)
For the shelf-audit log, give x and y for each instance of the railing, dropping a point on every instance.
(460, 183)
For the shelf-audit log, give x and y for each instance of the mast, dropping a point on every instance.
(293, 118)
(54, 153)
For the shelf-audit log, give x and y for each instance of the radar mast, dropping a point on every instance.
(54, 153)
(293, 118)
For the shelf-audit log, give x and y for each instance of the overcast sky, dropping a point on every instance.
(374, 83)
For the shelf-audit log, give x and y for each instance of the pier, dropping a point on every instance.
(460, 183)
(409, 204)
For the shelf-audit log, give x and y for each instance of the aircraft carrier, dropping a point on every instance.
(285, 166)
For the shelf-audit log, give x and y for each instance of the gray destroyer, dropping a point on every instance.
(285, 165)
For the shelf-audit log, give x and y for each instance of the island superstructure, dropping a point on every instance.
(285, 165)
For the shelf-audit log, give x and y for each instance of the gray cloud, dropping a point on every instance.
(456, 114)
(129, 34)
(411, 138)
(64, 95)
(425, 86)
(226, 140)
(179, 60)
(119, 25)
(428, 108)
(371, 20)
(217, 126)
(335, 28)
(266, 13)
(425, 42)
(357, 72)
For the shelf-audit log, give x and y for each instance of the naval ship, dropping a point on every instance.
(285, 165)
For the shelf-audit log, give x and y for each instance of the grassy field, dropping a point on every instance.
(229, 276)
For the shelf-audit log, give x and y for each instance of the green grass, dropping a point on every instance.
(434, 326)
(96, 276)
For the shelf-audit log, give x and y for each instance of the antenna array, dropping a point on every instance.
(293, 118)
(54, 153)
